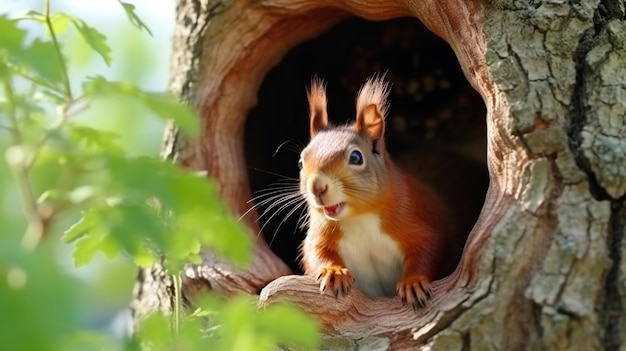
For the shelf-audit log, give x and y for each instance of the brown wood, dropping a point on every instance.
(542, 268)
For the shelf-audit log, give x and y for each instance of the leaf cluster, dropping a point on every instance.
(139, 208)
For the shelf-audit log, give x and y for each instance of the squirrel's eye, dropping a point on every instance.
(356, 158)
(300, 163)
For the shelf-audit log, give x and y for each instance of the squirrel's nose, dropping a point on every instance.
(319, 188)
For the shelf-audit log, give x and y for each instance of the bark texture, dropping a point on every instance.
(543, 267)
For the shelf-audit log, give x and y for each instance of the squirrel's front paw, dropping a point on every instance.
(337, 279)
(415, 290)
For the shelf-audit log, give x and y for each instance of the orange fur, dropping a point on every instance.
(398, 206)
(414, 218)
(322, 260)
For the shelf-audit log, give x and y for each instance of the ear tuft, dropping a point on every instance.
(371, 107)
(317, 106)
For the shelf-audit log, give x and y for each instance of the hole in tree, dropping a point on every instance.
(435, 127)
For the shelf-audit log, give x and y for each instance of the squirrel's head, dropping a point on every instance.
(342, 169)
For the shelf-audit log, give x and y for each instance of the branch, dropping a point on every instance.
(16, 160)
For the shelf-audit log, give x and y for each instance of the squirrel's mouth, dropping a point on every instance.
(334, 211)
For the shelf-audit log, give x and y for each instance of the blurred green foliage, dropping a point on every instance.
(64, 175)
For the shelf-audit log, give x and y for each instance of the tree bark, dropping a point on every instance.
(542, 268)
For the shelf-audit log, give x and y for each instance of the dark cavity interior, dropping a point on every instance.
(435, 128)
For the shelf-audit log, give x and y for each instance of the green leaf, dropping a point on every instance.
(132, 16)
(237, 321)
(290, 326)
(95, 139)
(40, 57)
(93, 38)
(164, 105)
(144, 259)
(109, 229)
(155, 331)
(136, 223)
(86, 223)
(198, 217)
(97, 241)
(244, 327)
(94, 232)
(58, 21)
(227, 236)
(12, 36)
(160, 209)
(34, 293)
(85, 340)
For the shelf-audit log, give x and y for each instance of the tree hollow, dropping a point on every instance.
(260, 35)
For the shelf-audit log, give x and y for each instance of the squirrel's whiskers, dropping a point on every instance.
(276, 199)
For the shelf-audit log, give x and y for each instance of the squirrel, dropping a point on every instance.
(371, 225)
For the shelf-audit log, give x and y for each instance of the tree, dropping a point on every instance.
(542, 267)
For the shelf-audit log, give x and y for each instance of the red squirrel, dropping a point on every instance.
(370, 224)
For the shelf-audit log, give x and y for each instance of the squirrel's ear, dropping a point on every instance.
(371, 121)
(317, 106)
(371, 108)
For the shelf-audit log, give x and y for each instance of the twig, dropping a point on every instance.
(66, 78)
(35, 80)
(177, 302)
(62, 118)
(36, 225)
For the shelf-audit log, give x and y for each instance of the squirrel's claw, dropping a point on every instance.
(415, 290)
(335, 278)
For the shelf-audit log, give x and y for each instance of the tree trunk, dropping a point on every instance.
(542, 267)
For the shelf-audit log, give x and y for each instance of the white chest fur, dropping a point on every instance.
(372, 257)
